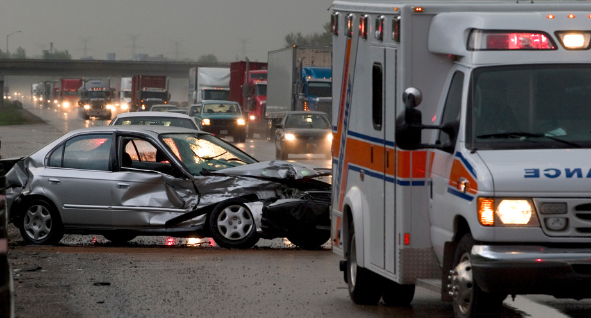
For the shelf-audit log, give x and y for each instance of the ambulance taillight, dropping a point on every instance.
(485, 40)
(363, 26)
(396, 29)
(380, 23)
(350, 19)
(334, 23)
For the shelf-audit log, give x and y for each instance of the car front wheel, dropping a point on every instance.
(41, 223)
(232, 225)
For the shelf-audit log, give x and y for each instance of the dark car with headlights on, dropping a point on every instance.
(128, 181)
(303, 132)
(222, 117)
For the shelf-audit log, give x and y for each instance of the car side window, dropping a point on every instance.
(55, 159)
(453, 105)
(141, 154)
(89, 152)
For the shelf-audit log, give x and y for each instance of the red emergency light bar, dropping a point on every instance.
(380, 24)
(334, 23)
(363, 26)
(350, 18)
(485, 40)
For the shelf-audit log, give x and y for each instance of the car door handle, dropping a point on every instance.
(54, 181)
(123, 185)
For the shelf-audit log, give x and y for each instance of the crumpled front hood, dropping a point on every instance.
(276, 169)
(539, 170)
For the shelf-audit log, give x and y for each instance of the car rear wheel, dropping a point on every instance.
(41, 223)
(119, 237)
(232, 225)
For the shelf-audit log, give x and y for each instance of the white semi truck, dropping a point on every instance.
(208, 83)
(461, 138)
(125, 93)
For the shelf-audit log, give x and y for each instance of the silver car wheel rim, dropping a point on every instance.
(235, 222)
(353, 261)
(37, 222)
(462, 284)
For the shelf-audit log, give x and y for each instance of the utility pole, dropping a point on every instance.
(8, 37)
(243, 50)
(85, 48)
(177, 51)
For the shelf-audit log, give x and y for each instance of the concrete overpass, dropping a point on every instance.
(97, 68)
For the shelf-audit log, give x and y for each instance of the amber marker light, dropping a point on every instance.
(418, 9)
(571, 16)
(550, 16)
(486, 211)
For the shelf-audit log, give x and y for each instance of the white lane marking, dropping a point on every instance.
(532, 309)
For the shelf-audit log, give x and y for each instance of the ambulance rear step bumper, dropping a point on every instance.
(525, 269)
(433, 285)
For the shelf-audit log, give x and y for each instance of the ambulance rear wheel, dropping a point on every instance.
(398, 295)
(469, 301)
(365, 287)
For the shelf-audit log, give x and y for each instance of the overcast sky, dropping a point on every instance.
(201, 26)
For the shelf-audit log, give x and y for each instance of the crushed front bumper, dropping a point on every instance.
(524, 269)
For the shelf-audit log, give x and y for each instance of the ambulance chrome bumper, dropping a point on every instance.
(523, 269)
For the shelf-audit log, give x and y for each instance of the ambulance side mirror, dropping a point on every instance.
(408, 125)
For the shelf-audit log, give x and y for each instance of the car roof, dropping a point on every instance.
(152, 114)
(305, 113)
(146, 129)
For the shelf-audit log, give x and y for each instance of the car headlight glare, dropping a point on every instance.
(329, 137)
(87, 106)
(124, 106)
(241, 122)
(66, 104)
(205, 121)
(252, 117)
(110, 107)
(289, 137)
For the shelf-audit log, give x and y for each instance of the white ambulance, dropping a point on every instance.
(484, 189)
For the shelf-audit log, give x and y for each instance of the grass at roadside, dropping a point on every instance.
(13, 114)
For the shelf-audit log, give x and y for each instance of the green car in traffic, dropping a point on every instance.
(222, 118)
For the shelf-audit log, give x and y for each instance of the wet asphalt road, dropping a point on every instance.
(86, 276)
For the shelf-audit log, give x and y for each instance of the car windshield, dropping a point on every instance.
(127, 94)
(221, 108)
(312, 121)
(216, 94)
(258, 76)
(525, 107)
(320, 89)
(162, 108)
(156, 121)
(194, 110)
(198, 152)
(97, 94)
(70, 93)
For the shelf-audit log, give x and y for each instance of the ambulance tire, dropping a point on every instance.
(365, 286)
(470, 301)
(397, 295)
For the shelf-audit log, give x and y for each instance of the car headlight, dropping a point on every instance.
(110, 107)
(55, 101)
(241, 122)
(66, 104)
(86, 106)
(289, 137)
(508, 212)
(205, 122)
(329, 137)
(252, 117)
(124, 106)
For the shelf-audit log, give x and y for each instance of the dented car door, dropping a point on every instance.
(147, 189)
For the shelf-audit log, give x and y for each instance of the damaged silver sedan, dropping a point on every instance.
(123, 182)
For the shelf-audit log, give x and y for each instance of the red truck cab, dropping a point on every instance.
(68, 95)
(253, 98)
